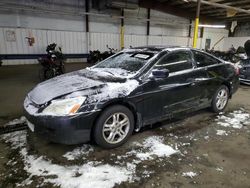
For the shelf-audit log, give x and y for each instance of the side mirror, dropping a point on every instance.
(160, 73)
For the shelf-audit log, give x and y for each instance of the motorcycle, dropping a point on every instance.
(108, 53)
(95, 56)
(52, 64)
(231, 55)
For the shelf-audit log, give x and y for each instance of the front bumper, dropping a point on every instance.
(64, 129)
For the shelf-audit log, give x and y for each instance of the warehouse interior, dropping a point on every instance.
(80, 27)
(78, 30)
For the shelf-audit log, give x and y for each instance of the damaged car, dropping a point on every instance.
(131, 89)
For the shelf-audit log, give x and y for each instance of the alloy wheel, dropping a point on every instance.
(116, 128)
(221, 99)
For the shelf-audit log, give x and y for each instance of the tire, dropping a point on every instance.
(49, 73)
(41, 74)
(221, 94)
(114, 134)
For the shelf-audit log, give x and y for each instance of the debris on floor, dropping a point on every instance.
(142, 158)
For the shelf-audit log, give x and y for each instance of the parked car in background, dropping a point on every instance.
(131, 89)
(244, 68)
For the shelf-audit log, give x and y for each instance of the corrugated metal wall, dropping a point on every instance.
(75, 41)
(71, 42)
(236, 41)
(100, 40)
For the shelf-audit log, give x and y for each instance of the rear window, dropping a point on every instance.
(203, 60)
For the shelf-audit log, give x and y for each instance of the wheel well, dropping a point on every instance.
(228, 87)
(118, 102)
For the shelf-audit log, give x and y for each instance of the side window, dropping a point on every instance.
(203, 60)
(176, 61)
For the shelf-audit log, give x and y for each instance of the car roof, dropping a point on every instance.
(158, 48)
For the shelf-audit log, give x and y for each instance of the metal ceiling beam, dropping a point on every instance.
(223, 6)
(210, 9)
(243, 19)
(170, 9)
(233, 3)
(216, 12)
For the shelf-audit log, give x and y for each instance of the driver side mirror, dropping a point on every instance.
(160, 73)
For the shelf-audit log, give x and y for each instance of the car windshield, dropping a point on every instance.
(130, 62)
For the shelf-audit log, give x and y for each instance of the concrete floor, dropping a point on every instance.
(16, 82)
(219, 161)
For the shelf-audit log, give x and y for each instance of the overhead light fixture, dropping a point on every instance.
(212, 26)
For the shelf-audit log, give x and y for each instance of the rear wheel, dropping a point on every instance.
(220, 99)
(114, 126)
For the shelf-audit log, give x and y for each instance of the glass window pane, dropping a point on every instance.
(176, 61)
(203, 60)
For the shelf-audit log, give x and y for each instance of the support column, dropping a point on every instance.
(122, 30)
(189, 33)
(196, 27)
(148, 24)
(87, 24)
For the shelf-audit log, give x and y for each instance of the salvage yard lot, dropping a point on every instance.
(200, 150)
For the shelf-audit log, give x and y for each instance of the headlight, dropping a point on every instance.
(62, 107)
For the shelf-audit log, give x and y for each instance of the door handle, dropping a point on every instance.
(192, 83)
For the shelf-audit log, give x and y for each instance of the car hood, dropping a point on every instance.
(70, 83)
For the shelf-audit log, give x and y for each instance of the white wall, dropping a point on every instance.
(215, 35)
(235, 41)
(175, 26)
(71, 42)
(69, 32)
(42, 22)
(76, 42)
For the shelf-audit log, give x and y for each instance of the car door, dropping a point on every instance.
(165, 96)
(214, 70)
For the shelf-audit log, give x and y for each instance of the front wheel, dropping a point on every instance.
(220, 99)
(114, 126)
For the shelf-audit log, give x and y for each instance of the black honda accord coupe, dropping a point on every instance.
(133, 88)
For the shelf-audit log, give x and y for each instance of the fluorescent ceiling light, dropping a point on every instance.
(212, 26)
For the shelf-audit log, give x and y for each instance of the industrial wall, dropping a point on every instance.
(235, 41)
(69, 32)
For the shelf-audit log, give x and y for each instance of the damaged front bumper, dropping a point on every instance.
(68, 130)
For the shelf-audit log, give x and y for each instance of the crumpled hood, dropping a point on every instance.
(64, 84)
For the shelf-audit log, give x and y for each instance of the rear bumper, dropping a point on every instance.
(67, 130)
